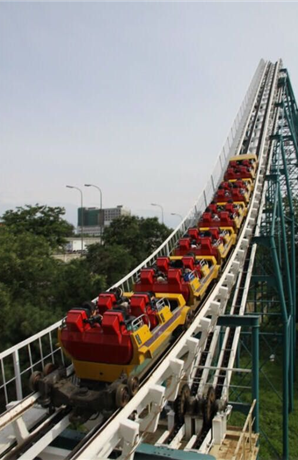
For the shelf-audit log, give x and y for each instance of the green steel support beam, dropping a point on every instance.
(252, 321)
(290, 277)
(285, 350)
(255, 372)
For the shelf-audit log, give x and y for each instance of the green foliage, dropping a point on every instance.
(74, 283)
(110, 261)
(39, 220)
(139, 236)
(25, 265)
(37, 290)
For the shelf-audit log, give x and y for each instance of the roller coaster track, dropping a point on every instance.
(190, 358)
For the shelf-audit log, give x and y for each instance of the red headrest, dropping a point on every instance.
(214, 232)
(206, 217)
(139, 301)
(147, 275)
(75, 320)
(111, 322)
(206, 243)
(174, 276)
(223, 215)
(220, 194)
(193, 232)
(106, 300)
(184, 243)
(162, 263)
(188, 262)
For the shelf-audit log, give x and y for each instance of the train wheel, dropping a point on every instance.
(209, 406)
(133, 385)
(182, 402)
(122, 395)
(50, 367)
(34, 379)
(188, 320)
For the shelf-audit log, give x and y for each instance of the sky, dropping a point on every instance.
(136, 98)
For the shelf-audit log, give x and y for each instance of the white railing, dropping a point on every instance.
(19, 361)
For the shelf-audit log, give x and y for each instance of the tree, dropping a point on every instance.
(110, 261)
(152, 234)
(40, 220)
(26, 267)
(139, 236)
(36, 290)
(75, 283)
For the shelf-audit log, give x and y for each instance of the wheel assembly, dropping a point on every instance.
(209, 406)
(188, 320)
(121, 396)
(49, 367)
(182, 403)
(34, 379)
(133, 385)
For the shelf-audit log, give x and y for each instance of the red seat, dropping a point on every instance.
(184, 244)
(223, 195)
(111, 322)
(188, 262)
(147, 276)
(206, 220)
(105, 302)
(230, 207)
(238, 196)
(214, 232)
(225, 220)
(212, 208)
(75, 320)
(193, 233)
(162, 264)
(138, 304)
(174, 277)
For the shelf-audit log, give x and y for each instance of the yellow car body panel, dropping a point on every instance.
(198, 286)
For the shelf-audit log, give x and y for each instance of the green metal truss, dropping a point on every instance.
(274, 280)
(272, 291)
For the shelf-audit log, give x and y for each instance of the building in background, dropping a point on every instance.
(94, 220)
(75, 244)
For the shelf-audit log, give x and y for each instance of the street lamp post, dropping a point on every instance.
(82, 229)
(99, 189)
(175, 214)
(159, 206)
